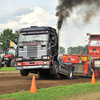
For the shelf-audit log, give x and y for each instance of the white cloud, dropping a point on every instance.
(38, 17)
(12, 25)
(2, 26)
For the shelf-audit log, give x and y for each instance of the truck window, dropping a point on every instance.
(95, 43)
(33, 37)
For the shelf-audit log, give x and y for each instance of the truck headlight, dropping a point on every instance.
(45, 57)
(44, 62)
(19, 59)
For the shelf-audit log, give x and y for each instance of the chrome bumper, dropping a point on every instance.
(33, 67)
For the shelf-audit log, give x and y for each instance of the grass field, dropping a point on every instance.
(8, 69)
(55, 93)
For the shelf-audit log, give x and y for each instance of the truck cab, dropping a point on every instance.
(37, 51)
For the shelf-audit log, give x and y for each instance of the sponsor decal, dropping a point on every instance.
(94, 51)
(72, 59)
(34, 32)
(32, 44)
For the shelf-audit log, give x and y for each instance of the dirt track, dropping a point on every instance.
(11, 82)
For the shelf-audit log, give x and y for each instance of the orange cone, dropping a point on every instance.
(93, 79)
(33, 86)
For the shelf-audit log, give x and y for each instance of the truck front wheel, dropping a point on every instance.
(40, 74)
(54, 69)
(44, 74)
(24, 72)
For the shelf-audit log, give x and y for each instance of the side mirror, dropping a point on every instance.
(16, 40)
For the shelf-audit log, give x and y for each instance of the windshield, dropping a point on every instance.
(33, 37)
(95, 43)
(11, 51)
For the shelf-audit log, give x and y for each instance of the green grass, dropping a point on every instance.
(8, 69)
(55, 93)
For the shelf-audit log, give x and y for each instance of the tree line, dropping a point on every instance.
(5, 38)
(77, 50)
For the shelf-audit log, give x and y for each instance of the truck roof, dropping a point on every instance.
(36, 28)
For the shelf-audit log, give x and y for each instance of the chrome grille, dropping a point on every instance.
(32, 51)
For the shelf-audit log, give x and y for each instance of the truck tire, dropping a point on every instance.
(44, 74)
(54, 69)
(70, 73)
(1, 65)
(24, 72)
(12, 63)
(40, 74)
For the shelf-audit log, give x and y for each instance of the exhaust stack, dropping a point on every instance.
(58, 42)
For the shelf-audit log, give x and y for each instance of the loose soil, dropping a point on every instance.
(12, 81)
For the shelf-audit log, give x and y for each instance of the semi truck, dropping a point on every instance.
(38, 52)
(37, 49)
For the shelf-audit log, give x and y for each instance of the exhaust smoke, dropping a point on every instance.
(65, 8)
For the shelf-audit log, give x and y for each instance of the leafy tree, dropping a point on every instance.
(17, 33)
(62, 50)
(5, 38)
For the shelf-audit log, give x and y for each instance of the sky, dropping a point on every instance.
(17, 14)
